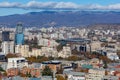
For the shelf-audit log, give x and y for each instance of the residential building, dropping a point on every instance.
(7, 47)
(75, 75)
(95, 45)
(12, 72)
(95, 74)
(66, 52)
(36, 52)
(109, 77)
(22, 49)
(53, 65)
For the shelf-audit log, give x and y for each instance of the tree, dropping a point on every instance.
(31, 59)
(105, 59)
(28, 75)
(59, 47)
(43, 59)
(47, 71)
(59, 77)
(118, 53)
(75, 52)
(5, 73)
(60, 71)
(38, 59)
(73, 58)
(10, 55)
(22, 75)
(105, 65)
(1, 69)
(51, 58)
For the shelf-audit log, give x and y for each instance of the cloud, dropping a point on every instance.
(50, 5)
(114, 6)
(9, 5)
(58, 6)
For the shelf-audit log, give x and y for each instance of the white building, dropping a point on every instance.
(54, 36)
(17, 63)
(112, 55)
(7, 47)
(66, 52)
(75, 75)
(47, 42)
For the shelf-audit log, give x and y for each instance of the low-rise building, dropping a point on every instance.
(109, 77)
(95, 45)
(17, 62)
(12, 72)
(53, 65)
(112, 55)
(95, 74)
(75, 75)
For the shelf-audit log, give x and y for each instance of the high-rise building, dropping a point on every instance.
(19, 28)
(19, 39)
(19, 36)
(8, 47)
(5, 36)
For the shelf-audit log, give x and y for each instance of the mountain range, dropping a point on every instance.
(61, 18)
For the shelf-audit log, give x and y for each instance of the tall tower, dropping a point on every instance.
(19, 28)
(19, 35)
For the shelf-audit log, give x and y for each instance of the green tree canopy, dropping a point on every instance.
(47, 71)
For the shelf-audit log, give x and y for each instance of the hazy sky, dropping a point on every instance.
(8, 7)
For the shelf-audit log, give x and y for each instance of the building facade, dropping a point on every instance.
(19, 36)
(8, 47)
(5, 36)
(17, 63)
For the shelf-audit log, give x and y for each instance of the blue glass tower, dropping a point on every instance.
(19, 36)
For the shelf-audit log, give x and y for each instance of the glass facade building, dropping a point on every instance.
(19, 39)
(19, 36)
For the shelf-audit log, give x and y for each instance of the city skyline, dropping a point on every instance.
(9, 7)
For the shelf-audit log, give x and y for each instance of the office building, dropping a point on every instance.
(19, 36)
(19, 28)
(19, 39)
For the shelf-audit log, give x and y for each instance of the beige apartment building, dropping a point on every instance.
(22, 49)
